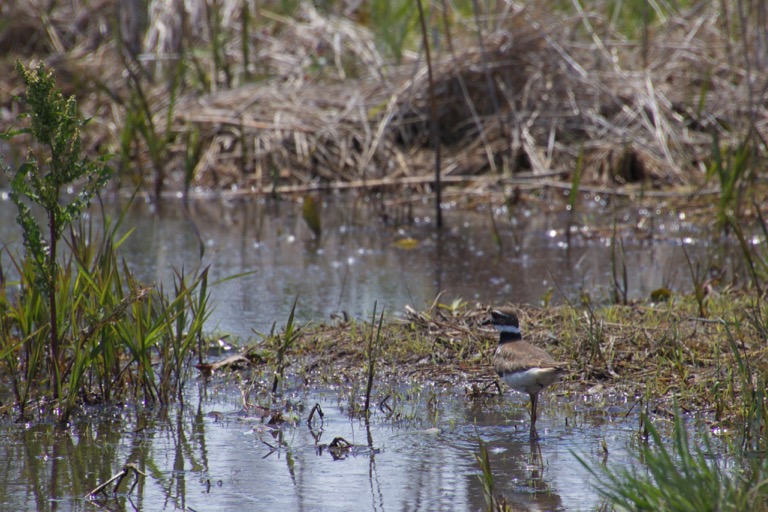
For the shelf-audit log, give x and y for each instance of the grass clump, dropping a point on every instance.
(55, 125)
(78, 327)
(680, 476)
(284, 343)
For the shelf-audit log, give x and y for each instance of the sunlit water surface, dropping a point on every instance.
(211, 456)
(524, 256)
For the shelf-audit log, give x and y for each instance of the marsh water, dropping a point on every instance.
(372, 253)
(211, 455)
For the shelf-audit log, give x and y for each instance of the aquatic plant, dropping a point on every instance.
(192, 156)
(103, 332)
(214, 19)
(310, 211)
(752, 383)
(682, 474)
(184, 314)
(434, 124)
(755, 254)
(493, 502)
(139, 124)
(55, 126)
(393, 23)
(681, 477)
(699, 284)
(284, 343)
(372, 353)
(620, 280)
(732, 168)
(573, 193)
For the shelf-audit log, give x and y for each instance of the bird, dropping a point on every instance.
(524, 367)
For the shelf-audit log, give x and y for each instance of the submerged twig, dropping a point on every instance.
(118, 479)
(316, 409)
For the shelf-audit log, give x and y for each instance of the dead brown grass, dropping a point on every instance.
(526, 95)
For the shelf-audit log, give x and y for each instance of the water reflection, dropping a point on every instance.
(211, 456)
(357, 260)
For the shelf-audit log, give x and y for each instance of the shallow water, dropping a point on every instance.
(424, 462)
(196, 460)
(357, 262)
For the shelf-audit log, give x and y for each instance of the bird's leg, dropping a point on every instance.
(534, 402)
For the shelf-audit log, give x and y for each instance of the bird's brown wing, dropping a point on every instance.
(520, 356)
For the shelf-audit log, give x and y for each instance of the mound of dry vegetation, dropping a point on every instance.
(257, 97)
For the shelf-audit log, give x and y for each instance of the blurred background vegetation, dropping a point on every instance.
(289, 95)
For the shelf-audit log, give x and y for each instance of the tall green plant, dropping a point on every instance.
(619, 268)
(140, 121)
(393, 23)
(486, 479)
(290, 335)
(731, 169)
(186, 315)
(19, 329)
(56, 127)
(374, 344)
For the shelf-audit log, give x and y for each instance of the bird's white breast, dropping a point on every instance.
(529, 381)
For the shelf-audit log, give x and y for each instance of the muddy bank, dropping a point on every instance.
(653, 355)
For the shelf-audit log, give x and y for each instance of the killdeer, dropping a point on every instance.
(524, 367)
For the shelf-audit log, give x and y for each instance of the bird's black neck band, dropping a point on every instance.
(506, 337)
